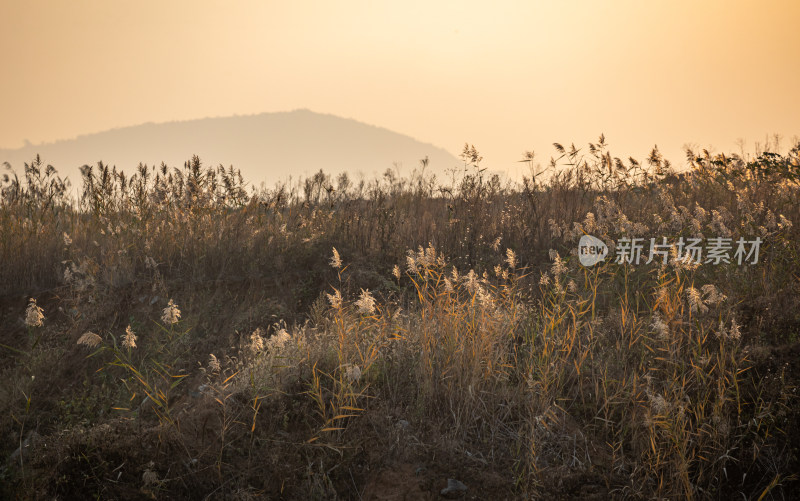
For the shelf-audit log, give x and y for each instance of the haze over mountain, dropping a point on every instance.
(267, 147)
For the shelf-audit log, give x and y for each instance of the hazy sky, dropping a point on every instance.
(506, 76)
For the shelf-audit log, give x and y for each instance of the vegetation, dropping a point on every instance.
(173, 334)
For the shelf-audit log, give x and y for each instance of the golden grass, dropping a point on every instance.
(397, 298)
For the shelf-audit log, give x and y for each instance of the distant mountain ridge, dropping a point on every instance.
(267, 147)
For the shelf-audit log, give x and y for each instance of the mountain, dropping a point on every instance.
(267, 147)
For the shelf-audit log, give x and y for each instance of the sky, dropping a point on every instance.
(505, 76)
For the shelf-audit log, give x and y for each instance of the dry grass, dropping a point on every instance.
(176, 335)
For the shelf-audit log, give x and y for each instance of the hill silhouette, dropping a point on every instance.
(267, 147)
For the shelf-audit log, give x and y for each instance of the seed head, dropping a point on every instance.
(511, 258)
(129, 339)
(471, 281)
(658, 403)
(661, 328)
(558, 267)
(718, 224)
(353, 373)
(712, 294)
(722, 332)
(256, 341)
(213, 363)
(695, 301)
(735, 332)
(90, 339)
(572, 286)
(278, 340)
(335, 299)
(448, 285)
(411, 262)
(496, 244)
(366, 303)
(34, 315)
(336, 261)
(171, 314)
(484, 297)
(555, 230)
(699, 212)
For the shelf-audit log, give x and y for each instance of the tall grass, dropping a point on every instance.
(328, 327)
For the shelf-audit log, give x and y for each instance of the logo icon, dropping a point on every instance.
(591, 250)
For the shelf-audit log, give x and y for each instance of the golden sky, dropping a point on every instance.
(506, 76)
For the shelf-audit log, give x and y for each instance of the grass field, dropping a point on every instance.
(174, 334)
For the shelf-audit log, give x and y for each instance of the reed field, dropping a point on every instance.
(175, 333)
